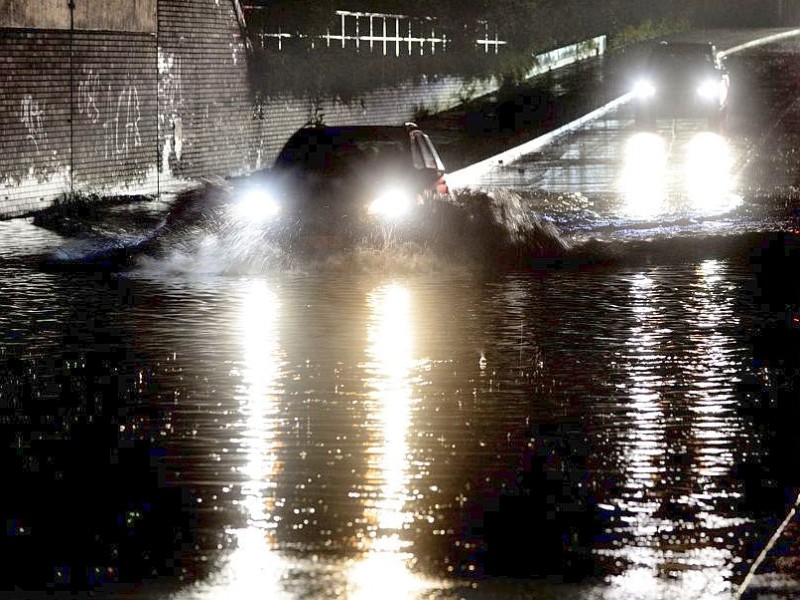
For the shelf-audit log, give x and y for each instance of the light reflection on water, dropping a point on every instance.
(682, 431)
(252, 566)
(256, 564)
(341, 433)
(674, 441)
(262, 363)
(390, 348)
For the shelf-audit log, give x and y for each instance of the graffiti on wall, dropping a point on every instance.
(32, 118)
(171, 105)
(113, 109)
(170, 82)
(89, 91)
(117, 110)
(125, 121)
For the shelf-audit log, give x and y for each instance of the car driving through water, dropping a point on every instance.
(682, 80)
(331, 183)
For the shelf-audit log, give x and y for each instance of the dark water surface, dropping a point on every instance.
(353, 432)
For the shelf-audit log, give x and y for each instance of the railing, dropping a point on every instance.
(390, 34)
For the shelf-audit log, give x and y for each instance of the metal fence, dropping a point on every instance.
(389, 34)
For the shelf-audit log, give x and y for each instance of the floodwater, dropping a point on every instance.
(610, 422)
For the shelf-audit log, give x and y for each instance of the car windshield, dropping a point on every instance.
(682, 58)
(334, 150)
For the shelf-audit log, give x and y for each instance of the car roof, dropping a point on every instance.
(678, 56)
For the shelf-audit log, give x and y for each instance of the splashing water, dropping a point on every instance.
(494, 229)
(202, 233)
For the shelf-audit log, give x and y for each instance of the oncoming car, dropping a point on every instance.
(682, 80)
(335, 179)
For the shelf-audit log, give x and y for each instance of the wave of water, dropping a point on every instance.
(202, 233)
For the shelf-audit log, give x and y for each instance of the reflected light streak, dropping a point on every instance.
(385, 575)
(643, 181)
(253, 566)
(258, 319)
(253, 569)
(708, 174)
(714, 402)
(710, 270)
(390, 350)
(642, 446)
(661, 550)
(383, 571)
(643, 584)
(645, 446)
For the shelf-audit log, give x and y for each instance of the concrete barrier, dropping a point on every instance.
(561, 57)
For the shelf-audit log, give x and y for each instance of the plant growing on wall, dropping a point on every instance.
(317, 118)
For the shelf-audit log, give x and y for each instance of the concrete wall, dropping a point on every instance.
(102, 15)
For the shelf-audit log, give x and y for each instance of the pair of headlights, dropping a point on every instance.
(259, 206)
(708, 90)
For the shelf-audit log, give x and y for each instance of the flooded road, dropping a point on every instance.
(335, 432)
(383, 424)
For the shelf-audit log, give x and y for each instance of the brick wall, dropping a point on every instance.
(76, 111)
(205, 105)
(114, 110)
(97, 109)
(34, 119)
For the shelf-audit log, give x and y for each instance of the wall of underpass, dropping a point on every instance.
(105, 97)
(150, 96)
(98, 99)
(77, 108)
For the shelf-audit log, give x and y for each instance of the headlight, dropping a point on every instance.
(257, 206)
(709, 90)
(644, 89)
(392, 204)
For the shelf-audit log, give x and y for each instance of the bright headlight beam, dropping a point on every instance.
(644, 89)
(392, 204)
(257, 206)
(708, 90)
(708, 174)
(644, 177)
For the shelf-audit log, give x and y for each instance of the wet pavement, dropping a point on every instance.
(216, 422)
